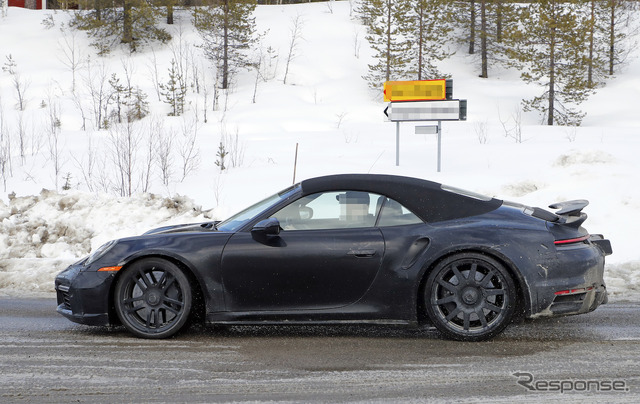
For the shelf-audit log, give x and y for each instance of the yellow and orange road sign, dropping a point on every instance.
(416, 90)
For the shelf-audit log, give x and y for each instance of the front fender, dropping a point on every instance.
(197, 253)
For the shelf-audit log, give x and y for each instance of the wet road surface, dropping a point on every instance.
(46, 358)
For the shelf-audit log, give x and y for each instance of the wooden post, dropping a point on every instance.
(295, 164)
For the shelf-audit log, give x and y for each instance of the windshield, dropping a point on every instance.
(238, 220)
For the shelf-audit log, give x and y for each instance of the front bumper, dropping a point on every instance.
(83, 296)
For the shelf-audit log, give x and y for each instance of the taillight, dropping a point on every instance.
(571, 240)
(573, 291)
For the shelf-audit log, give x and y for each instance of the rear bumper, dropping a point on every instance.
(579, 301)
(572, 282)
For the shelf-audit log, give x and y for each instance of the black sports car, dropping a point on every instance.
(348, 249)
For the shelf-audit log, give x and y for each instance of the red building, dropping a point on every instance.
(32, 4)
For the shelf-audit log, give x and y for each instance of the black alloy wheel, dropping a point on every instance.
(470, 297)
(153, 298)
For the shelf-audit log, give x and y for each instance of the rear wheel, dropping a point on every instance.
(153, 298)
(470, 297)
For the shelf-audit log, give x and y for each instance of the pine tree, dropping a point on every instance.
(117, 96)
(221, 155)
(175, 90)
(227, 28)
(485, 22)
(551, 51)
(613, 27)
(386, 22)
(170, 5)
(427, 35)
(465, 18)
(130, 22)
(138, 106)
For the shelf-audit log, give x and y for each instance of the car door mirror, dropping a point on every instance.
(306, 213)
(267, 227)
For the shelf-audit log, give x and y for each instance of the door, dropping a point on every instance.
(326, 256)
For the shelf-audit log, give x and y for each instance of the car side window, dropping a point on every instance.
(392, 213)
(330, 210)
(344, 209)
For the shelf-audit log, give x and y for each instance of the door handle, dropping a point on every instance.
(362, 253)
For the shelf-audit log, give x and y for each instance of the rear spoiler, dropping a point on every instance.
(570, 212)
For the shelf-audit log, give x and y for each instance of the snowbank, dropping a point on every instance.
(41, 235)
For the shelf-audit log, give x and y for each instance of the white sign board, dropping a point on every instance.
(427, 130)
(424, 111)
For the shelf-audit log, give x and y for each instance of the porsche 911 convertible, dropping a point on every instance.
(353, 248)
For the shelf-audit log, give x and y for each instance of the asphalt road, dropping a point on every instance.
(45, 358)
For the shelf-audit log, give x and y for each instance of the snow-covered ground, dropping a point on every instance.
(325, 108)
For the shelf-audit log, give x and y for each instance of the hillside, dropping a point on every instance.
(325, 108)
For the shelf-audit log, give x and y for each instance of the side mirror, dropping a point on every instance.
(306, 213)
(267, 227)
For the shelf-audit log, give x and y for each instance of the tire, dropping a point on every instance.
(470, 297)
(153, 298)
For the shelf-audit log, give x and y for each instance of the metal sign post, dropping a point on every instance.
(439, 145)
(397, 143)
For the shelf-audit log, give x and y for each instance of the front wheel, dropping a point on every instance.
(153, 298)
(470, 297)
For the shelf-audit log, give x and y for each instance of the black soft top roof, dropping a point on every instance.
(427, 199)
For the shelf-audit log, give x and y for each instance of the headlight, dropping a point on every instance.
(97, 254)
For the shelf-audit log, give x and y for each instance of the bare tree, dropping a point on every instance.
(125, 143)
(182, 54)
(514, 130)
(340, 118)
(149, 157)
(330, 6)
(218, 186)
(53, 129)
(195, 70)
(265, 65)
(96, 82)
(188, 147)
(296, 35)
(86, 164)
(207, 88)
(36, 141)
(79, 103)
(152, 65)
(5, 149)
(22, 136)
(70, 54)
(482, 132)
(163, 150)
(234, 148)
(103, 176)
(19, 84)
(357, 43)
(129, 69)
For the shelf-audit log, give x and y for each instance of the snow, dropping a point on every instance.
(326, 109)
